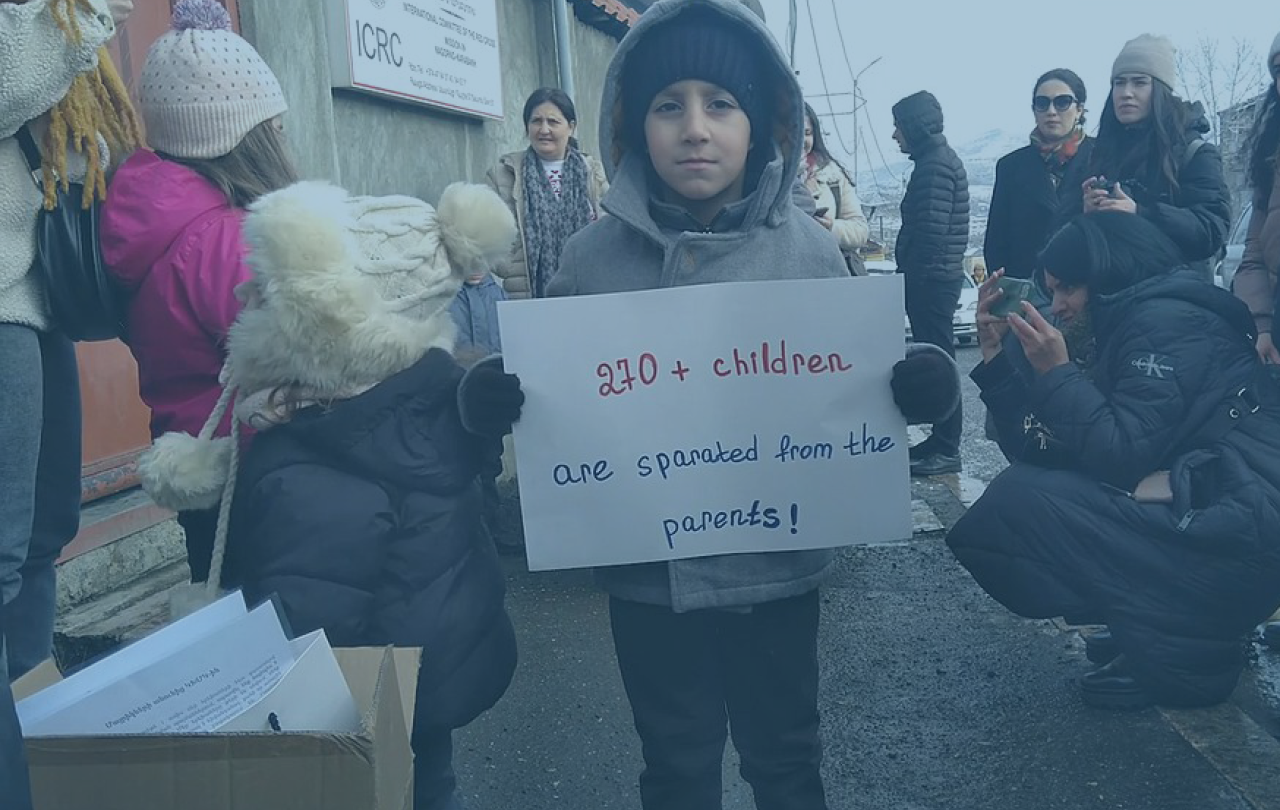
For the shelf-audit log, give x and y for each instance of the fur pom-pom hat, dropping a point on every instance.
(346, 292)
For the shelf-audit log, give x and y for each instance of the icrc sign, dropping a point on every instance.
(443, 53)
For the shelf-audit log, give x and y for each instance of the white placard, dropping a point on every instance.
(443, 53)
(709, 419)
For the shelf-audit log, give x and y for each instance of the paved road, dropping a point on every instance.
(933, 697)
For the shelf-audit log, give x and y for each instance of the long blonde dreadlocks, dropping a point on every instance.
(97, 103)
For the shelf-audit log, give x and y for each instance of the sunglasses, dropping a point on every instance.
(1060, 103)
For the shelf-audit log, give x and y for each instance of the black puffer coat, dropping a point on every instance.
(1057, 534)
(935, 209)
(363, 518)
(1024, 204)
(1197, 214)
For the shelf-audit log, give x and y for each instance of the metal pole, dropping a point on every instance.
(856, 100)
(564, 54)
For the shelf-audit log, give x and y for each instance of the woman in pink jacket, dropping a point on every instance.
(171, 225)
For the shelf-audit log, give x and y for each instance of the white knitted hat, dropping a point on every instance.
(1149, 54)
(203, 88)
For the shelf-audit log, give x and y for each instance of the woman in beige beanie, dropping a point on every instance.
(171, 226)
(1151, 158)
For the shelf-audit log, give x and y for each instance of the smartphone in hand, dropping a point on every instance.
(1015, 292)
(821, 212)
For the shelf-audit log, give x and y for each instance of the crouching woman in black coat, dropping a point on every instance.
(1145, 485)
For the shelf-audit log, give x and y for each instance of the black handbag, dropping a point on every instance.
(83, 300)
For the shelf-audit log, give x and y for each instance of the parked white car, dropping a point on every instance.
(964, 323)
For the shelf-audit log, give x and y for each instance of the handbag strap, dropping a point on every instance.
(1243, 403)
(31, 152)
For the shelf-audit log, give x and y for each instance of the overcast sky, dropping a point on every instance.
(979, 57)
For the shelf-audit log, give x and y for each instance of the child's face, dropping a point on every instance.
(698, 140)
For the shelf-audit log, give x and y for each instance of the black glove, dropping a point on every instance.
(926, 385)
(489, 400)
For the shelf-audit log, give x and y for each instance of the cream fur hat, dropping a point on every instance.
(346, 292)
(1152, 55)
(203, 87)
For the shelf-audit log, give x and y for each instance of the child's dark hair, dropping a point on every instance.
(1071, 80)
(257, 166)
(1108, 251)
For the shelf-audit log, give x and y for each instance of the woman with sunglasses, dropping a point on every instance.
(1151, 158)
(1031, 182)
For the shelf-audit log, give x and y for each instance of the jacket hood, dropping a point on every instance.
(919, 117)
(382, 433)
(628, 170)
(150, 203)
(1197, 120)
(1184, 285)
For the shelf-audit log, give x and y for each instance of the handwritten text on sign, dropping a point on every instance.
(710, 419)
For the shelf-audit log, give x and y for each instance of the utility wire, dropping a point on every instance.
(817, 52)
(857, 99)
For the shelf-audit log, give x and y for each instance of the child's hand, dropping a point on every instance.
(490, 400)
(926, 386)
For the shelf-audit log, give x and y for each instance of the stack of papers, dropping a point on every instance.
(223, 668)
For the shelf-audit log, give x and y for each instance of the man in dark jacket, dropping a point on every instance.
(930, 253)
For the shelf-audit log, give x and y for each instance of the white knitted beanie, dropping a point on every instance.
(1148, 54)
(203, 88)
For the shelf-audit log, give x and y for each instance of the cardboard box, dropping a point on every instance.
(369, 770)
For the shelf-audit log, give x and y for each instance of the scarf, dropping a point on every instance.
(1057, 154)
(809, 172)
(550, 219)
(1082, 342)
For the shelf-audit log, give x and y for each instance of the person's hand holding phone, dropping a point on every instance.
(823, 219)
(1042, 343)
(1094, 190)
(1118, 200)
(991, 328)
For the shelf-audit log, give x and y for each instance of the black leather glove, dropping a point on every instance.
(490, 400)
(926, 385)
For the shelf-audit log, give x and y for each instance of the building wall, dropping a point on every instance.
(1235, 124)
(373, 145)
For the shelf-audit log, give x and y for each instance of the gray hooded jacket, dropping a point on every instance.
(763, 237)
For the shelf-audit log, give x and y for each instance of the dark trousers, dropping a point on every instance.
(39, 483)
(931, 306)
(435, 786)
(687, 673)
(199, 528)
(15, 788)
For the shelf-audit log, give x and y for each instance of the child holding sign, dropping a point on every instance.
(703, 120)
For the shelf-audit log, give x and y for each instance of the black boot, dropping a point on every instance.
(1100, 646)
(1112, 687)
